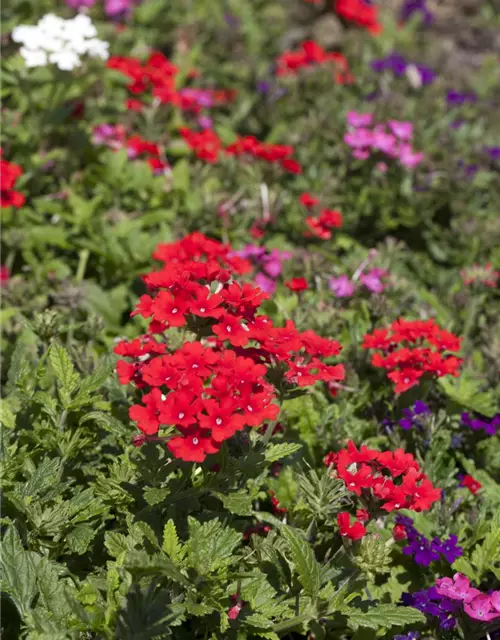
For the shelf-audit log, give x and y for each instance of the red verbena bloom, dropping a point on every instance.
(308, 200)
(9, 174)
(297, 284)
(360, 12)
(471, 483)
(211, 388)
(387, 480)
(353, 532)
(409, 349)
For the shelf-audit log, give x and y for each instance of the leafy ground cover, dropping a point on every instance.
(250, 320)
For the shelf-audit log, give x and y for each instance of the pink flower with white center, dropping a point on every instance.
(480, 608)
(457, 588)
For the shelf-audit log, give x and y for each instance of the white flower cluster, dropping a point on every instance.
(58, 41)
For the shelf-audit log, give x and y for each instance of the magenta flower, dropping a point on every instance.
(403, 130)
(341, 287)
(356, 119)
(265, 283)
(361, 154)
(480, 608)
(408, 157)
(372, 280)
(80, 4)
(359, 138)
(495, 600)
(457, 588)
(384, 142)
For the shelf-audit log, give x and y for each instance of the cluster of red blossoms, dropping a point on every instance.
(207, 146)
(321, 225)
(362, 12)
(137, 147)
(10, 172)
(412, 348)
(384, 480)
(213, 387)
(311, 54)
(158, 77)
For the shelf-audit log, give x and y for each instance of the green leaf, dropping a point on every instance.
(155, 495)
(383, 616)
(239, 503)
(18, 572)
(304, 561)
(211, 545)
(171, 545)
(79, 539)
(180, 174)
(7, 417)
(282, 450)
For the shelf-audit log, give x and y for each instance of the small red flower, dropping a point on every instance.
(353, 532)
(399, 532)
(308, 200)
(297, 284)
(471, 483)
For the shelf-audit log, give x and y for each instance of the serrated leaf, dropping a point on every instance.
(281, 450)
(304, 561)
(80, 537)
(171, 545)
(257, 620)
(155, 495)
(238, 503)
(18, 577)
(211, 545)
(63, 368)
(383, 616)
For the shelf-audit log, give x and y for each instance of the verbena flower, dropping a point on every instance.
(412, 7)
(60, 42)
(433, 604)
(489, 425)
(415, 416)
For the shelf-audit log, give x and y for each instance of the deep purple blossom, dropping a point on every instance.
(415, 416)
(457, 99)
(430, 602)
(493, 152)
(448, 548)
(489, 425)
(395, 63)
(421, 549)
(411, 7)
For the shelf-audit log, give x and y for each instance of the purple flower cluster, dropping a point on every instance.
(430, 602)
(457, 99)
(489, 426)
(395, 63)
(411, 7)
(415, 416)
(425, 551)
(268, 263)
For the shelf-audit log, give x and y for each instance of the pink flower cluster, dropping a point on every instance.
(477, 605)
(391, 139)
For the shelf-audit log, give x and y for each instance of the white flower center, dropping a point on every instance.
(181, 415)
(195, 440)
(218, 421)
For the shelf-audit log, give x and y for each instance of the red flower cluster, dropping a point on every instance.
(9, 173)
(137, 147)
(320, 226)
(373, 474)
(362, 13)
(212, 388)
(310, 54)
(421, 348)
(207, 146)
(158, 76)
